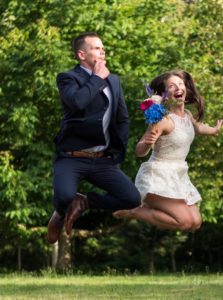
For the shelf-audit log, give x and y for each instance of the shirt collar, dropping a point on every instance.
(87, 70)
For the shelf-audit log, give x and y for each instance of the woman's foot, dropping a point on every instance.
(125, 213)
(130, 213)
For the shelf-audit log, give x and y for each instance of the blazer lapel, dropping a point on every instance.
(113, 87)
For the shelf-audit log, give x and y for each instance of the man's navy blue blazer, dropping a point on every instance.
(84, 105)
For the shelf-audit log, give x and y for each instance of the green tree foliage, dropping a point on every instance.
(142, 38)
(31, 56)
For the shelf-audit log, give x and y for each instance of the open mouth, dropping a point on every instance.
(178, 96)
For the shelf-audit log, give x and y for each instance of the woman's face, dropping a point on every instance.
(176, 88)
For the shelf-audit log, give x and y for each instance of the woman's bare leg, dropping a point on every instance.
(148, 214)
(197, 220)
(162, 212)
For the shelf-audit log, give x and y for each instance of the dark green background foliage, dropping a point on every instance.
(142, 38)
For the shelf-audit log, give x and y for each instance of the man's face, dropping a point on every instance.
(92, 51)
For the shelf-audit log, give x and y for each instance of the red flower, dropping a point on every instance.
(146, 104)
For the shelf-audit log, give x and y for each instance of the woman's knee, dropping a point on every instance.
(190, 224)
(196, 216)
(185, 223)
(196, 223)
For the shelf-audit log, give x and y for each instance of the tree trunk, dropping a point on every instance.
(151, 262)
(55, 248)
(64, 254)
(173, 261)
(19, 256)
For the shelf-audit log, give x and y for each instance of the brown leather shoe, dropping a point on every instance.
(75, 210)
(55, 226)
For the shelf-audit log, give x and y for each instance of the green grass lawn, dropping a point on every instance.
(162, 287)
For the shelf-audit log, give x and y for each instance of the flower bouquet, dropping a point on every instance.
(153, 107)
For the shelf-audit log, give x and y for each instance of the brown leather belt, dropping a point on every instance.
(85, 154)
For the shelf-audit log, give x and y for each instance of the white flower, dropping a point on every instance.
(156, 98)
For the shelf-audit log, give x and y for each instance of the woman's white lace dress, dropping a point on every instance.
(166, 171)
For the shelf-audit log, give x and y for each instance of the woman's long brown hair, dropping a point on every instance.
(192, 94)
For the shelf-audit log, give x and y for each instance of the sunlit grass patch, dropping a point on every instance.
(162, 287)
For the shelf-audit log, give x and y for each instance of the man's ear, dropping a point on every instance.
(81, 55)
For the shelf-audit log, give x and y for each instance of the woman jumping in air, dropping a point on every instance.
(169, 199)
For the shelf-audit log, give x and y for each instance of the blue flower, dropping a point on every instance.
(154, 113)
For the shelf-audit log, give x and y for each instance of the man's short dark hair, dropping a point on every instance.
(79, 41)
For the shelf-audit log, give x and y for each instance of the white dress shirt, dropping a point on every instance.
(106, 119)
